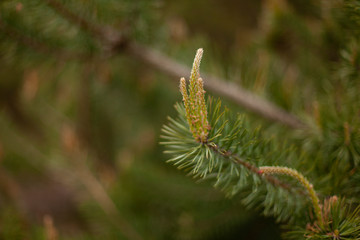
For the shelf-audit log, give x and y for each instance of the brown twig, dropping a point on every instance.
(110, 39)
(266, 170)
(219, 86)
(115, 41)
(252, 168)
(74, 18)
(51, 232)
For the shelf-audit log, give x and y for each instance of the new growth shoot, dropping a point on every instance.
(235, 159)
(302, 180)
(194, 101)
(196, 115)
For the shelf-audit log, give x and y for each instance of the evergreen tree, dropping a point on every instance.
(83, 96)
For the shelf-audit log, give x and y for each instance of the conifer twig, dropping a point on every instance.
(268, 170)
(252, 168)
(217, 85)
(195, 106)
(231, 91)
(110, 38)
(114, 40)
(74, 18)
(196, 116)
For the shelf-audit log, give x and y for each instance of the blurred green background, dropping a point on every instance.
(79, 127)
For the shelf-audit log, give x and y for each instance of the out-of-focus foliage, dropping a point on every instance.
(79, 126)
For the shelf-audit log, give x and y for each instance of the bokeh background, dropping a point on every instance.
(80, 116)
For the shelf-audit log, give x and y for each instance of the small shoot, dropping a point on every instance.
(194, 101)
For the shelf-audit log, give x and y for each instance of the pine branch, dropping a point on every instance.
(197, 119)
(230, 159)
(252, 168)
(340, 221)
(38, 45)
(111, 40)
(116, 42)
(266, 170)
(232, 154)
(217, 85)
(74, 18)
(222, 149)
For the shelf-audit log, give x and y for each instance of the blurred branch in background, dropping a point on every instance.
(114, 42)
(39, 45)
(218, 86)
(50, 230)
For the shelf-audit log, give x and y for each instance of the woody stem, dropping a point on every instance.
(302, 180)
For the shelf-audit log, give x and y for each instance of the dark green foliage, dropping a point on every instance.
(35, 28)
(342, 222)
(329, 145)
(11, 225)
(234, 140)
(229, 140)
(303, 55)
